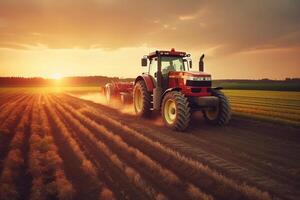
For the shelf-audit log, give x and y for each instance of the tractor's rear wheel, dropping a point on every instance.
(176, 111)
(221, 114)
(109, 92)
(141, 99)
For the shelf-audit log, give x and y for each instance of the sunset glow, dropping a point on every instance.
(247, 39)
(56, 76)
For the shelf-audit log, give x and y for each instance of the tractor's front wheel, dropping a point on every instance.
(176, 111)
(221, 114)
(141, 99)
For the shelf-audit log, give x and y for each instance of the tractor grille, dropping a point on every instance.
(198, 83)
(196, 90)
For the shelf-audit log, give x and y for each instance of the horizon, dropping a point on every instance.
(81, 76)
(241, 40)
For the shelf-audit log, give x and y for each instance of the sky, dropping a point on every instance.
(242, 39)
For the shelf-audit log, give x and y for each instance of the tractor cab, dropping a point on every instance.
(172, 69)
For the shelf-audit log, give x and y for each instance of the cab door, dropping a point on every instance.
(153, 70)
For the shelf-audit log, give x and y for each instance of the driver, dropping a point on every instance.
(168, 69)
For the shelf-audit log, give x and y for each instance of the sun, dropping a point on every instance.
(56, 76)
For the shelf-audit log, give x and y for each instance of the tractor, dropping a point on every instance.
(172, 88)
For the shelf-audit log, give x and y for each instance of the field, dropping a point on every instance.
(55, 145)
(264, 84)
(275, 106)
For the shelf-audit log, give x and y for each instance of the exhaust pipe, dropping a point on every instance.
(201, 63)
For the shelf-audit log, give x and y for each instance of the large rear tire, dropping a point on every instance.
(176, 111)
(141, 99)
(221, 114)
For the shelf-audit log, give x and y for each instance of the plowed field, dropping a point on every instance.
(57, 146)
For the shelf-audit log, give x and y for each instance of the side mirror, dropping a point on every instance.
(144, 62)
(190, 64)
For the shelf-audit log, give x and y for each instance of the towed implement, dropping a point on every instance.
(169, 86)
(121, 91)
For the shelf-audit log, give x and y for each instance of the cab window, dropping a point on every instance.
(153, 67)
(171, 64)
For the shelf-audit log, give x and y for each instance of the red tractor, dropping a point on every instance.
(171, 88)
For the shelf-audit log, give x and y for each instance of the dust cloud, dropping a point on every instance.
(100, 98)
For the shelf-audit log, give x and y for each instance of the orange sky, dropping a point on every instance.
(241, 39)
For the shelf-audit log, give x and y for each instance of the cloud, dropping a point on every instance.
(225, 26)
(187, 17)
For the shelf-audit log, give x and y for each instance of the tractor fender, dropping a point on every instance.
(169, 90)
(147, 80)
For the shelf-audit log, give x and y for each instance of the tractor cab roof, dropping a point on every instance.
(167, 53)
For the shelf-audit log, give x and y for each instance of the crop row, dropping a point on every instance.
(271, 107)
(230, 187)
(267, 103)
(272, 112)
(261, 94)
(86, 165)
(11, 112)
(14, 161)
(160, 173)
(9, 98)
(267, 115)
(131, 173)
(45, 165)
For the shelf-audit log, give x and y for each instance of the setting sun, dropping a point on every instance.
(56, 76)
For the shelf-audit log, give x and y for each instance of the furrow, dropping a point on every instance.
(13, 167)
(210, 180)
(8, 128)
(79, 168)
(99, 146)
(129, 153)
(195, 167)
